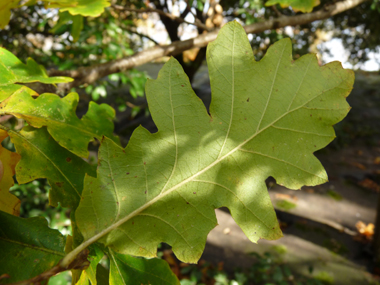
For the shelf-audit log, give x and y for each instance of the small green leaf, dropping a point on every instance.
(86, 8)
(77, 27)
(42, 157)
(58, 114)
(64, 19)
(12, 70)
(28, 247)
(90, 273)
(126, 270)
(297, 5)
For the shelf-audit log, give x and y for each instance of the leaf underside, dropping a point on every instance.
(267, 118)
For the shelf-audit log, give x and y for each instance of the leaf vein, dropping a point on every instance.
(166, 222)
(233, 193)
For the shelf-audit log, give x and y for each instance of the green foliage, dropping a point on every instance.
(126, 269)
(60, 118)
(65, 18)
(86, 8)
(266, 118)
(285, 205)
(297, 5)
(13, 71)
(30, 243)
(43, 157)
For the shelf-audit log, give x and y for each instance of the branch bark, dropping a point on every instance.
(88, 75)
(162, 13)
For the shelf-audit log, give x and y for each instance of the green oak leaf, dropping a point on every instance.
(297, 5)
(28, 247)
(266, 118)
(127, 269)
(43, 157)
(8, 90)
(58, 114)
(12, 71)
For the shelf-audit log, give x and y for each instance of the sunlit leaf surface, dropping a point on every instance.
(266, 118)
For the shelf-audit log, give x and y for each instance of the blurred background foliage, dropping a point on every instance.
(61, 41)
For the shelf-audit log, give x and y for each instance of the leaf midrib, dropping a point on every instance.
(102, 233)
(35, 247)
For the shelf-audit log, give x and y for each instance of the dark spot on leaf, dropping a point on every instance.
(133, 223)
(127, 173)
(91, 192)
(315, 146)
(59, 184)
(248, 99)
(145, 192)
(123, 150)
(135, 176)
(187, 203)
(68, 159)
(183, 85)
(194, 192)
(144, 162)
(117, 203)
(245, 118)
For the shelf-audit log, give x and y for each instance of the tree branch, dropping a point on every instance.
(92, 73)
(143, 36)
(162, 13)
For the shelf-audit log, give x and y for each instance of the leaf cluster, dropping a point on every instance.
(266, 118)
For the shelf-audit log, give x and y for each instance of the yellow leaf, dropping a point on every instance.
(8, 160)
